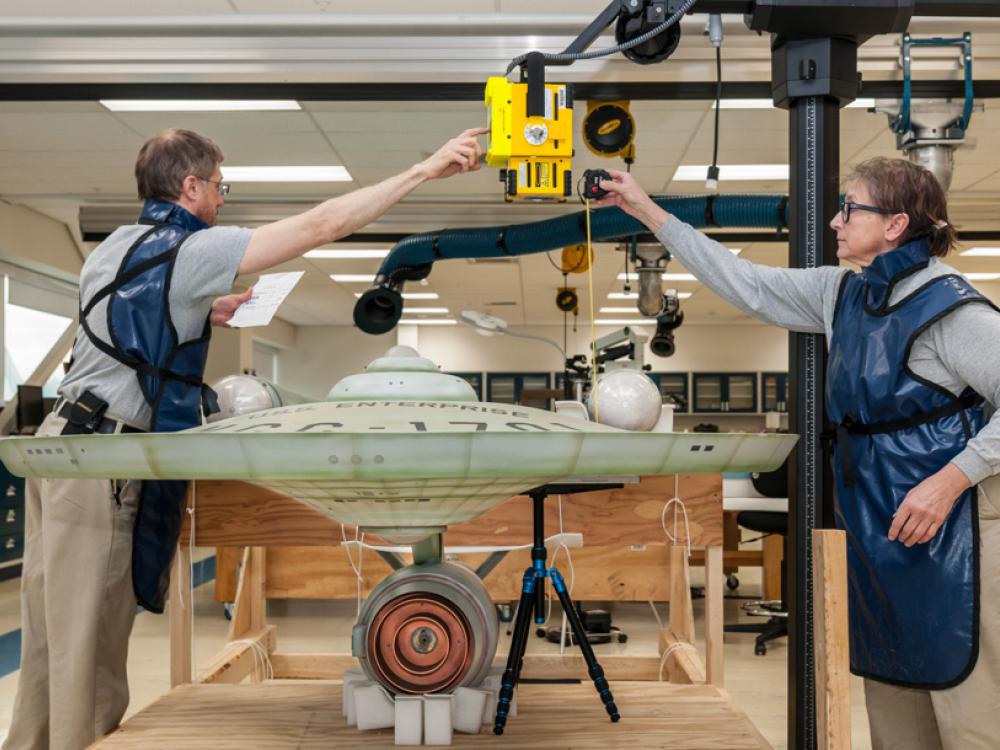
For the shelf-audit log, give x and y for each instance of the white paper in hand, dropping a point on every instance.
(268, 294)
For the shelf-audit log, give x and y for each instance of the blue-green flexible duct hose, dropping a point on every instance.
(380, 308)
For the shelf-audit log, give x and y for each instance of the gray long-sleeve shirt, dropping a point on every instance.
(959, 351)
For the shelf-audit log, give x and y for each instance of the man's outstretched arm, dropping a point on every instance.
(338, 217)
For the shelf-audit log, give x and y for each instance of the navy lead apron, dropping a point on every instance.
(170, 372)
(914, 612)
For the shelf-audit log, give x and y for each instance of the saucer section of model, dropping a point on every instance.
(387, 441)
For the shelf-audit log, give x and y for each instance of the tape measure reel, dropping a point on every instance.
(609, 129)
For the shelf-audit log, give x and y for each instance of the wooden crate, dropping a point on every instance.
(303, 716)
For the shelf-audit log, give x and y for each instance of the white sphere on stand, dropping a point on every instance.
(626, 399)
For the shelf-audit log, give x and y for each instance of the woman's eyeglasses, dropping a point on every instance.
(846, 208)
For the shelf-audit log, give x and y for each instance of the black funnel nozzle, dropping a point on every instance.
(378, 310)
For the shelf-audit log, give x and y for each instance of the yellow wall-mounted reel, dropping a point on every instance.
(609, 129)
(534, 152)
(575, 259)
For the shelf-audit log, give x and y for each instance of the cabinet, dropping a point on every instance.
(774, 391)
(673, 388)
(475, 379)
(724, 392)
(507, 388)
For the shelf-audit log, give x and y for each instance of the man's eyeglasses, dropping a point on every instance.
(222, 187)
(846, 208)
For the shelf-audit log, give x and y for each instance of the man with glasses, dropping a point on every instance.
(148, 297)
(913, 382)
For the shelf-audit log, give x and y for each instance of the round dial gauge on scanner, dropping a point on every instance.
(536, 133)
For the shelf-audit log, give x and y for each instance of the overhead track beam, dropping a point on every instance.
(450, 92)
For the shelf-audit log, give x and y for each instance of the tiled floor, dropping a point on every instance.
(756, 683)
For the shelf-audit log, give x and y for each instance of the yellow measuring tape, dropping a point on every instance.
(593, 325)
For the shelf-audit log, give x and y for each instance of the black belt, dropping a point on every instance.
(106, 426)
(839, 433)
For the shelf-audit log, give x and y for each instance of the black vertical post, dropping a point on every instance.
(813, 77)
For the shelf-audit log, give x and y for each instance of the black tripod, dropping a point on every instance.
(533, 601)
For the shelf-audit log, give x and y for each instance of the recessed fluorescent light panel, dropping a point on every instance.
(624, 321)
(768, 104)
(353, 278)
(635, 295)
(425, 311)
(345, 254)
(982, 276)
(665, 277)
(732, 172)
(285, 174)
(199, 105)
(981, 252)
(411, 295)
(429, 322)
(625, 310)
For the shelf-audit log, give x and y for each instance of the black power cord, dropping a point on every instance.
(712, 181)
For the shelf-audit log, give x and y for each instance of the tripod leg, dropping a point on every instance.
(593, 668)
(515, 658)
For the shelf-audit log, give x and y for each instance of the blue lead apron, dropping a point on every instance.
(914, 612)
(170, 372)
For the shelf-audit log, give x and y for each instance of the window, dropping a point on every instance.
(35, 316)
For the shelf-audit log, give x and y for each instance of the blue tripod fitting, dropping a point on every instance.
(533, 601)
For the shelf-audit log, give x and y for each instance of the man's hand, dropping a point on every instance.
(223, 308)
(460, 154)
(626, 193)
(927, 505)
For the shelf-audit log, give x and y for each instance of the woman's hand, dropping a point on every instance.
(626, 193)
(927, 505)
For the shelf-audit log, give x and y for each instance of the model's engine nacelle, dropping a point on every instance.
(427, 629)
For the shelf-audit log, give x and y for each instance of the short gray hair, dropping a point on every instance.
(171, 155)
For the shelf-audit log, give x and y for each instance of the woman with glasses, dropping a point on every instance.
(913, 379)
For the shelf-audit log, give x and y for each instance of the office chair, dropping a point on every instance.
(773, 484)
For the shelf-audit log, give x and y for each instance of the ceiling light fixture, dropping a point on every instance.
(635, 295)
(285, 174)
(665, 277)
(345, 254)
(624, 322)
(981, 252)
(411, 295)
(768, 104)
(199, 105)
(732, 172)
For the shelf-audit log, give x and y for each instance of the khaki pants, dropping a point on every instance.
(77, 609)
(967, 716)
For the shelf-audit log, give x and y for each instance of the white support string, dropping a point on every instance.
(674, 538)
(191, 515)
(262, 668)
(359, 542)
(572, 575)
(656, 614)
(670, 649)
